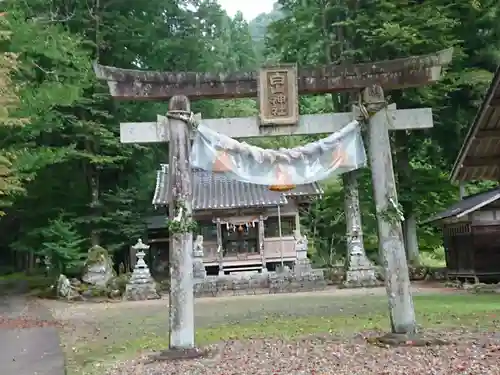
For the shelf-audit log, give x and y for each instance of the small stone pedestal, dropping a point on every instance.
(141, 285)
(360, 272)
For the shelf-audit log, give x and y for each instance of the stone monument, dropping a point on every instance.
(64, 289)
(302, 263)
(360, 271)
(199, 271)
(98, 268)
(141, 285)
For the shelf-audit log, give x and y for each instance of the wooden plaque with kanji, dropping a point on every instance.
(278, 95)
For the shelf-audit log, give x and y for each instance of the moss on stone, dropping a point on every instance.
(98, 254)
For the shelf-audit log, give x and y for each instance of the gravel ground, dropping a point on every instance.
(210, 311)
(124, 320)
(99, 327)
(468, 353)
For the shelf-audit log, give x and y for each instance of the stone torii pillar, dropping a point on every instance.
(181, 315)
(389, 215)
(359, 271)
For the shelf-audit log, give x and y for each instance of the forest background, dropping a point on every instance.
(67, 183)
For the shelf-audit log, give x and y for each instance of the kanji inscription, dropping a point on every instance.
(278, 95)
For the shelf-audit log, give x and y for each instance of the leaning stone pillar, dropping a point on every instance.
(220, 251)
(199, 271)
(360, 272)
(261, 244)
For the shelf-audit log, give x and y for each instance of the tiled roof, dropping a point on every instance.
(212, 191)
(467, 205)
(479, 158)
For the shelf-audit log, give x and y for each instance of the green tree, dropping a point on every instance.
(10, 183)
(61, 246)
(320, 31)
(69, 154)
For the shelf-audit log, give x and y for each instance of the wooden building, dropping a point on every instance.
(239, 218)
(471, 236)
(479, 157)
(471, 227)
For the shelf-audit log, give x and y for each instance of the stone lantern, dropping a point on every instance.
(141, 285)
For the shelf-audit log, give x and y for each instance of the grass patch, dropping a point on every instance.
(434, 259)
(21, 282)
(433, 311)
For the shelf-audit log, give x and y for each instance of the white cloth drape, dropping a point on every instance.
(342, 151)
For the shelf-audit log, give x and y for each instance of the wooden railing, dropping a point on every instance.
(272, 250)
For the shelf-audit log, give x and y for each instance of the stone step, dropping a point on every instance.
(240, 269)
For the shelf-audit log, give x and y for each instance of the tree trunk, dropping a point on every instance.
(405, 182)
(94, 204)
(411, 238)
(92, 174)
(31, 262)
(461, 190)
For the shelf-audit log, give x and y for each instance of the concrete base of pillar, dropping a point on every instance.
(199, 271)
(302, 267)
(360, 272)
(141, 292)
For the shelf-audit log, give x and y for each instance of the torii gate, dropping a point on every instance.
(281, 119)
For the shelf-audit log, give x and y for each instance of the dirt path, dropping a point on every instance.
(29, 344)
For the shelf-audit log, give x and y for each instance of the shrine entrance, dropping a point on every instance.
(240, 240)
(279, 116)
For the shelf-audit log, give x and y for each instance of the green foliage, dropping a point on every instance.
(258, 30)
(393, 212)
(66, 181)
(97, 254)
(78, 177)
(10, 183)
(37, 284)
(119, 283)
(62, 244)
(181, 224)
(333, 32)
(434, 258)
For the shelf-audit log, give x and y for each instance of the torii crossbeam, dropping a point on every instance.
(128, 84)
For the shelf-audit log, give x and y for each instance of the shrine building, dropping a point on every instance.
(237, 217)
(471, 227)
